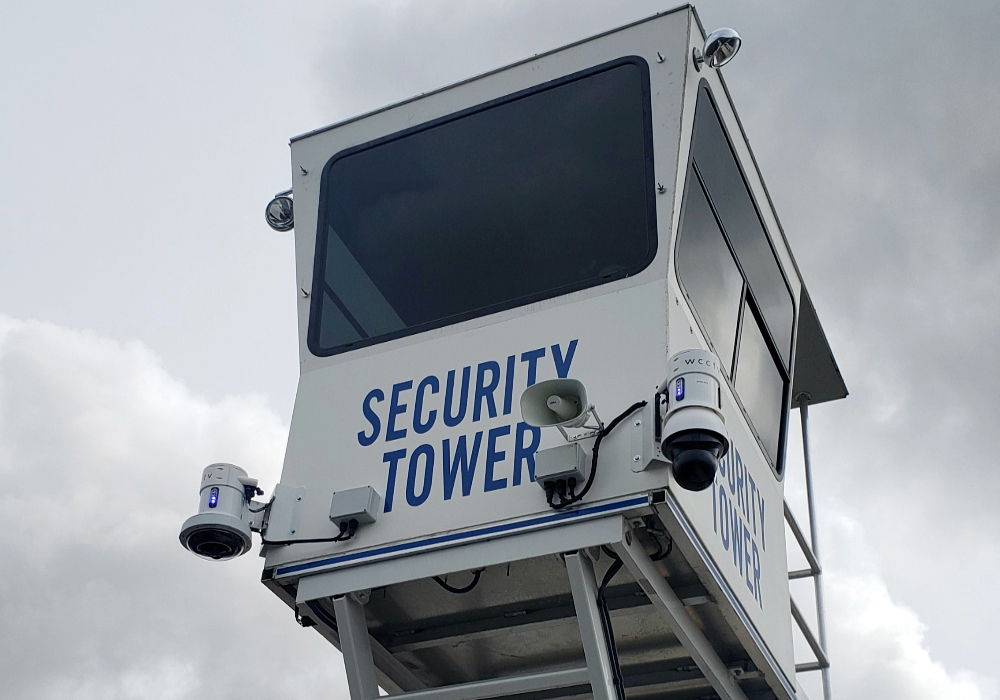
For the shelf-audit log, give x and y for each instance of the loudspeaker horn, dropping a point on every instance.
(555, 402)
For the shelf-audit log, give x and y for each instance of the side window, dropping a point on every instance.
(731, 276)
(712, 279)
(720, 171)
(759, 383)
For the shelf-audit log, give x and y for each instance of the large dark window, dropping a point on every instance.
(729, 271)
(525, 198)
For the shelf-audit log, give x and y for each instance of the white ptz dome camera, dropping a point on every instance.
(221, 529)
(694, 436)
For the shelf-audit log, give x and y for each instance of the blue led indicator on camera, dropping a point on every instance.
(679, 392)
(213, 497)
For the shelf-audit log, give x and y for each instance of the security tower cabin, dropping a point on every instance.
(550, 334)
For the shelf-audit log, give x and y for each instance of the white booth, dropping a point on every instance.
(591, 214)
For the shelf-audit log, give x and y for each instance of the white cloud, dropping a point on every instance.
(100, 456)
(877, 645)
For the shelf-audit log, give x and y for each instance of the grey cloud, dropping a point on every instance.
(133, 206)
(874, 128)
(99, 455)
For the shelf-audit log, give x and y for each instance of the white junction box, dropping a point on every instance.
(562, 463)
(361, 504)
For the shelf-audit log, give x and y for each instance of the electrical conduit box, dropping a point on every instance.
(361, 504)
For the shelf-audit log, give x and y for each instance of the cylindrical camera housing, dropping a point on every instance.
(694, 428)
(221, 529)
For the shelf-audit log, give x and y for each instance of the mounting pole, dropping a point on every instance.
(583, 584)
(356, 647)
(803, 399)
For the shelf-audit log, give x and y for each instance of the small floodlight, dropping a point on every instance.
(720, 47)
(560, 403)
(280, 213)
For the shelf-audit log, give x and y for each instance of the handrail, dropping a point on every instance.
(814, 566)
(811, 552)
(821, 658)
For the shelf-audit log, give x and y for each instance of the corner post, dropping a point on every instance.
(356, 647)
(817, 579)
(583, 583)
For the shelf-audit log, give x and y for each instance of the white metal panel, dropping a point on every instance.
(762, 597)
(613, 343)
(727, 110)
(613, 337)
(663, 36)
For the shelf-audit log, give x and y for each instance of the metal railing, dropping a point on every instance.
(810, 549)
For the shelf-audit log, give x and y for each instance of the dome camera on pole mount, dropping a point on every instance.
(694, 429)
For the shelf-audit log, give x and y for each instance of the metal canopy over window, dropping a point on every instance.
(528, 197)
(728, 269)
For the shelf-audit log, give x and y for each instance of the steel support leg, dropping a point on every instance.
(817, 580)
(670, 606)
(356, 648)
(583, 583)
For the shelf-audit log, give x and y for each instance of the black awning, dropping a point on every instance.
(816, 371)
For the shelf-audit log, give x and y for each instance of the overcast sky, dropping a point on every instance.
(147, 314)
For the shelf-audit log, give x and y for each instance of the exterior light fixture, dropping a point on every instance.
(280, 213)
(720, 47)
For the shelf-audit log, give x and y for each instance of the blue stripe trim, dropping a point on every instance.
(502, 529)
(737, 606)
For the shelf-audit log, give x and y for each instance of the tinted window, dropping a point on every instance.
(731, 197)
(708, 272)
(533, 196)
(729, 272)
(760, 386)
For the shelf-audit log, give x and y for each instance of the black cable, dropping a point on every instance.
(660, 554)
(263, 507)
(561, 490)
(654, 533)
(347, 530)
(609, 633)
(657, 422)
(593, 462)
(452, 589)
(321, 614)
(550, 492)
